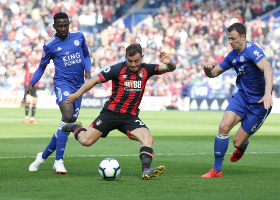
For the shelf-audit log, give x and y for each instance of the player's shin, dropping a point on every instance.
(51, 147)
(146, 156)
(61, 144)
(220, 148)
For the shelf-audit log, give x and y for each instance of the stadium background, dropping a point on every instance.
(192, 32)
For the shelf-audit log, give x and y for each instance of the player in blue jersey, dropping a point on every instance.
(253, 101)
(70, 55)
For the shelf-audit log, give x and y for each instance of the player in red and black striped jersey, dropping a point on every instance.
(121, 110)
(30, 66)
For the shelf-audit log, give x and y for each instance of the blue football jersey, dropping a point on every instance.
(250, 79)
(68, 59)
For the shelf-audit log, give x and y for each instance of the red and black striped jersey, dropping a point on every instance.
(30, 68)
(127, 87)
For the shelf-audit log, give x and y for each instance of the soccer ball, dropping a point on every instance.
(109, 168)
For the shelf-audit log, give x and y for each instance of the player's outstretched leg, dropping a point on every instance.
(212, 173)
(36, 164)
(152, 172)
(238, 153)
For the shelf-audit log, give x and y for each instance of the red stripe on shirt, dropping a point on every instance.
(102, 79)
(119, 95)
(130, 96)
(144, 80)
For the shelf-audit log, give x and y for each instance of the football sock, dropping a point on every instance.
(146, 156)
(61, 141)
(26, 110)
(220, 148)
(244, 147)
(50, 148)
(77, 130)
(33, 110)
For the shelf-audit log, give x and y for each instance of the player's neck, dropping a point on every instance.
(62, 38)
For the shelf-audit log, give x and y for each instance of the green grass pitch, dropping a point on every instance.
(183, 142)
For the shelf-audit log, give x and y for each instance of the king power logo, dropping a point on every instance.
(71, 59)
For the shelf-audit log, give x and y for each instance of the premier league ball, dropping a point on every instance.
(109, 168)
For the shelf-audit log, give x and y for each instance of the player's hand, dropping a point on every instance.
(27, 91)
(164, 58)
(71, 98)
(267, 101)
(208, 66)
(87, 75)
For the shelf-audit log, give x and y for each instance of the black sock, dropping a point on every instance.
(146, 156)
(33, 111)
(77, 130)
(26, 110)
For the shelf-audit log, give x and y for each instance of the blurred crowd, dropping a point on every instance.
(192, 32)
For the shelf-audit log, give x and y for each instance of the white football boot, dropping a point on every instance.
(36, 164)
(58, 167)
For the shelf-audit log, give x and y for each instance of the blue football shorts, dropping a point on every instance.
(62, 93)
(253, 114)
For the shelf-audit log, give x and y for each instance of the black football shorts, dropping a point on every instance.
(109, 120)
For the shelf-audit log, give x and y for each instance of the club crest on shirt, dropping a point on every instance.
(66, 93)
(141, 73)
(241, 58)
(76, 42)
(107, 69)
(98, 122)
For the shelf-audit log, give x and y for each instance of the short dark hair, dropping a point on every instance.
(133, 49)
(239, 27)
(60, 15)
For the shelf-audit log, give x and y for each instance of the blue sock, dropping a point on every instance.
(61, 142)
(244, 147)
(50, 148)
(220, 149)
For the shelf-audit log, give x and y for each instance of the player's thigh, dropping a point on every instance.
(134, 128)
(106, 122)
(69, 111)
(142, 135)
(90, 136)
(232, 115)
(256, 115)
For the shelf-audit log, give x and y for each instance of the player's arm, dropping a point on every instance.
(85, 87)
(168, 65)
(36, 77)
(87, 64)
(212, 70)
(264, 65)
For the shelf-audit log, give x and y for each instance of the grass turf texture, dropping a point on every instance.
(183, 142)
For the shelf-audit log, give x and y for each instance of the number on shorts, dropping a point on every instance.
(77, 112)
(141, 123)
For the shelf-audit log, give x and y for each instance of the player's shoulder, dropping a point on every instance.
(50, 41)
(76, 33)
(251, 46)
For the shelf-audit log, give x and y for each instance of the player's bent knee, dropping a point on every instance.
(86, 143)
(223, 128)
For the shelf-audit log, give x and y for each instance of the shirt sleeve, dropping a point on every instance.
(84, 44)
(226, 63)
(255, 53)
(152, 69)
(47, 55)
(110, 73)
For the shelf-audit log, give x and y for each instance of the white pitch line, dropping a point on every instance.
(128, 155)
